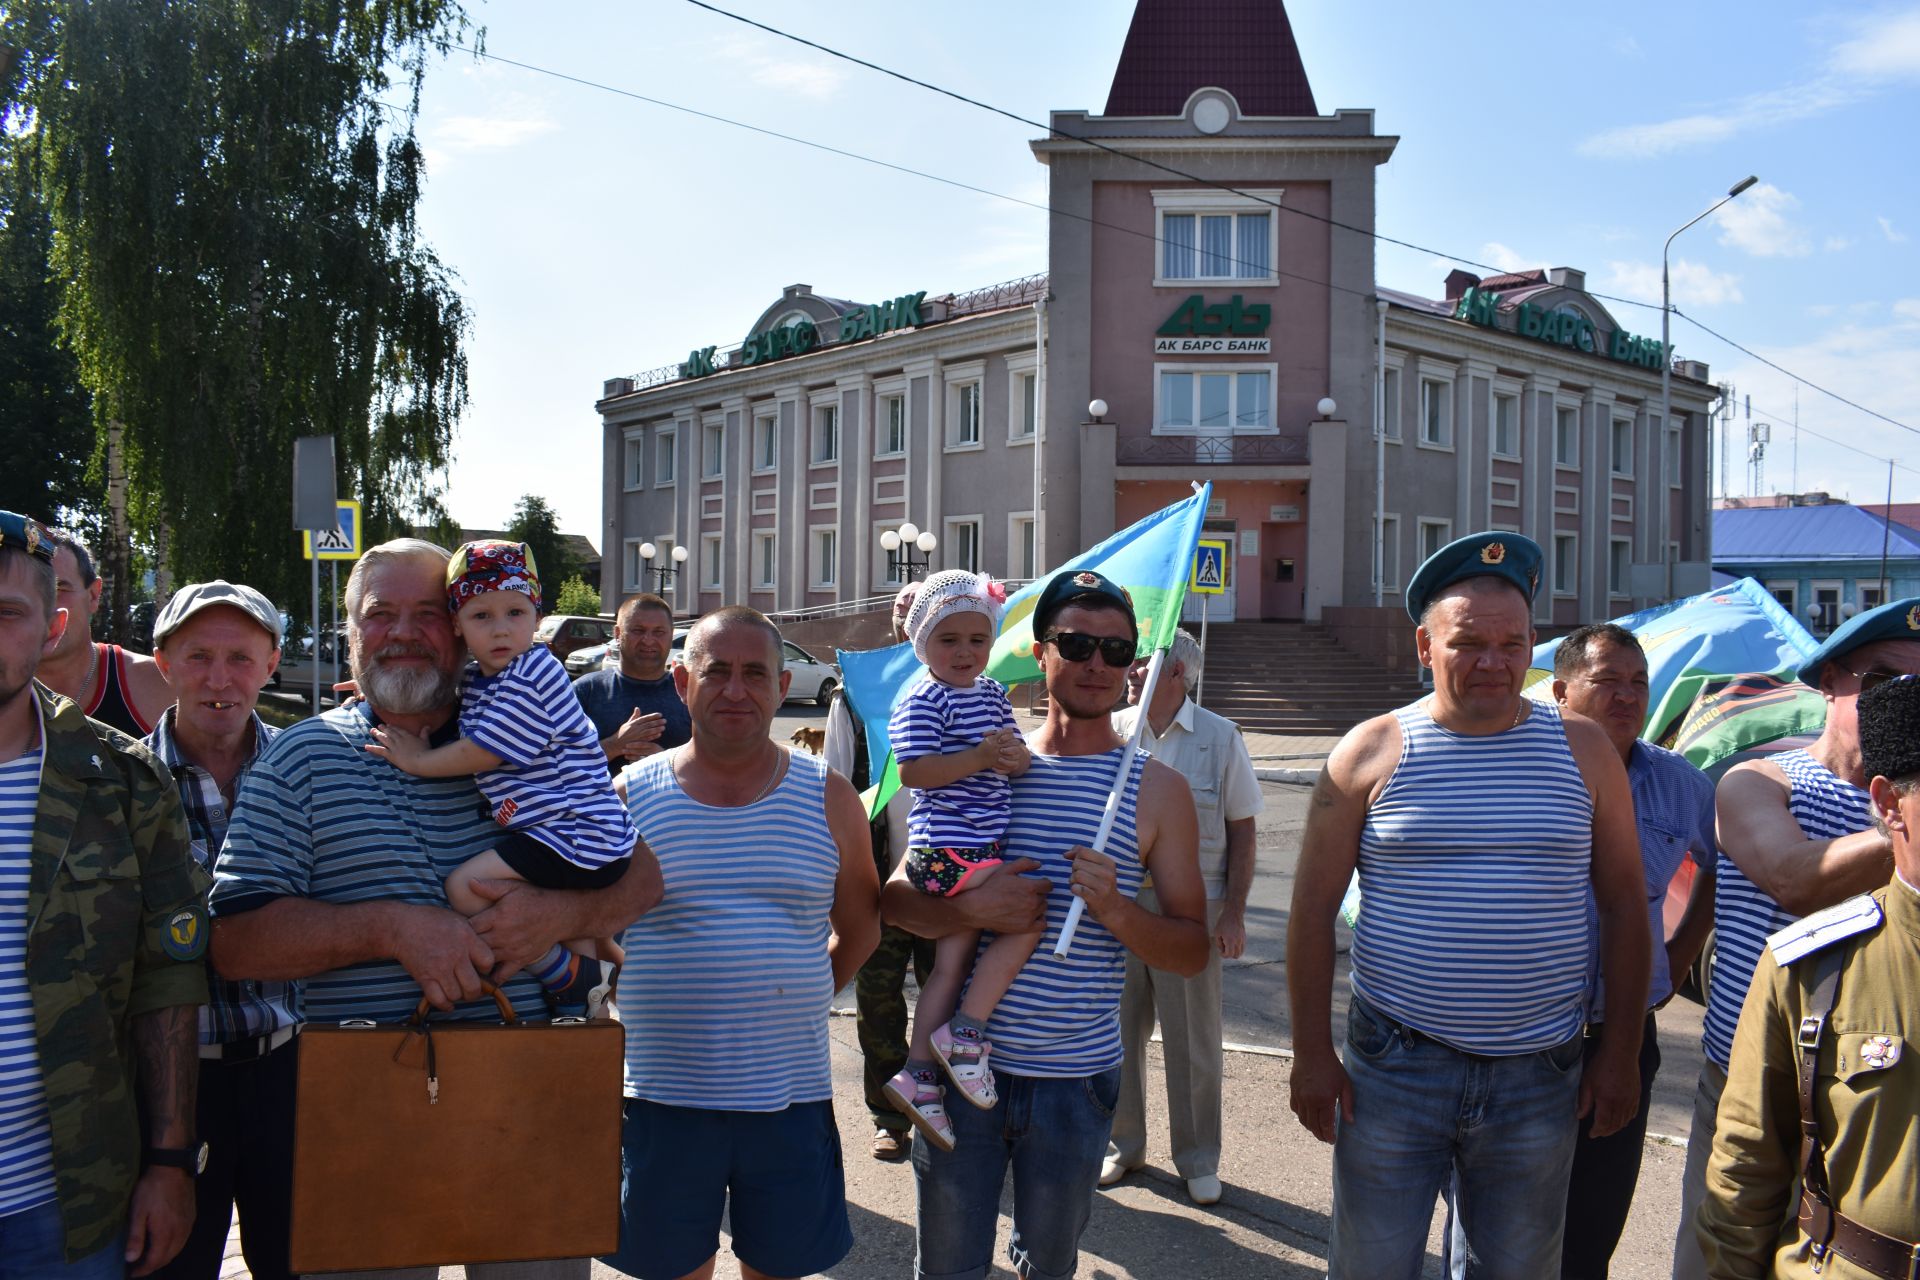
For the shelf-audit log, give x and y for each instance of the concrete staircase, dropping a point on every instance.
(1292, 678)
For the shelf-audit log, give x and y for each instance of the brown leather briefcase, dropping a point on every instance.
(433, 1143)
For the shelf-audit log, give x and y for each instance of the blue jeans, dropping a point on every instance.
(1423, 1114)
(1054, 1133)
(33, 1247)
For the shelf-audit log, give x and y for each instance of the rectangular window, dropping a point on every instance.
(1788, 594)
(1216, 246)
(765, 552)
(663, 456)
(1622, 454)
(1566, 436)
(713, 449)
(1390, 403)
(1619, 566)
(1566, 564)
(636, 457)
(1434, 534)
(1029, 418)
(826, 434)
(966, 421)
(632, 566)
(710, 553)
(1390, 553)
(766, 443)
(1872, 597)
(1021, 562)
(1673, 460)
(1506, 426)
(893, 426)
(1211, 403)
(1436, 413)
(826, 557)
(963, 545)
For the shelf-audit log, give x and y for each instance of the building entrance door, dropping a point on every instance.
(1283, 571)
(1219, 608)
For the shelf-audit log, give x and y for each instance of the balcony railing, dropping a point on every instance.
(1211, 451)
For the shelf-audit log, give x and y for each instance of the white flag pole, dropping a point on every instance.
(1112, 811)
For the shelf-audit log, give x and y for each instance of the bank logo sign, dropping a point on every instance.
(904, 312)
(1561, 328)
(1231, 328)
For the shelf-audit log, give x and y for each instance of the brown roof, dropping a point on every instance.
(1243, 46)
(1514, 280)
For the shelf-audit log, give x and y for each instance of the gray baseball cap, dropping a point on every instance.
(201, 595)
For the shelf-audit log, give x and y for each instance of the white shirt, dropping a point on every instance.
(1208, 750)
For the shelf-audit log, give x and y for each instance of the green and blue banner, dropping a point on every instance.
(1151, 558)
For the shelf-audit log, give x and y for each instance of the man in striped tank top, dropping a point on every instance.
(1796, 836)
(1481, 823)
(1056, 1033)
(769, 908)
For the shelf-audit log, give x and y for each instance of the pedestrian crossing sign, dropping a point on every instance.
(341, 542)
(1209, 576)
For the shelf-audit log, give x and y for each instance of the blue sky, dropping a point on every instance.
(596, 235)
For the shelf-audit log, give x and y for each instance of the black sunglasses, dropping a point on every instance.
(1874, 679)
(1077, 647)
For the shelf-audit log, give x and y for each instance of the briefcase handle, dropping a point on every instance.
(505, 1006)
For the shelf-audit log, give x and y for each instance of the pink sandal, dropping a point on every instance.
(919, 1100)
(965, 1062)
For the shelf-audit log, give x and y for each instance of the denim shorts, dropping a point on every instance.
(776, 1173)
(1053, 1133)
(33, 1246)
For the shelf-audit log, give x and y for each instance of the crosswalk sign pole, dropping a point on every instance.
(1200, 681)
(315, 616)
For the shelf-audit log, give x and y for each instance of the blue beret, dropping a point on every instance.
(1071, 586)
(27, 534)
(1511, 556)
(1899, 620)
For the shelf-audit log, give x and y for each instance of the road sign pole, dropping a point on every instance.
(1200, 681)
(315, 616)
(333, 631)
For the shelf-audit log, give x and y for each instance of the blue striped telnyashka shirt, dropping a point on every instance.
(936, 719)
(320, 817)
(1062, 1017)
(726, 988)
(1475, 871)
(234, 1010)
(554, 787)
(1826, 807)
(26, 1141)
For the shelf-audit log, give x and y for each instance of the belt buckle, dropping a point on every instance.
(1810, 1026)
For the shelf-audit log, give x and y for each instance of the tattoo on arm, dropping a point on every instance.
(166, 1047)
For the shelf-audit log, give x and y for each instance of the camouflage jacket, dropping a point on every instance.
(117, 923)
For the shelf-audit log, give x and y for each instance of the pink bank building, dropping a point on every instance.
(1210, 279)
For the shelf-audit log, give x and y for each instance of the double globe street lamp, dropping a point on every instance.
(899, 544)
(666, 573)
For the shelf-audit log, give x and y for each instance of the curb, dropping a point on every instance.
(1303, 777)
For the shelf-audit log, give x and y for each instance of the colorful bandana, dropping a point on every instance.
(491, 565)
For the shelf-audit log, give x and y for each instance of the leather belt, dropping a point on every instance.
(1882, 1255)
(249, 1049)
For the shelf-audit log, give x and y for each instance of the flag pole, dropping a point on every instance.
(1112, 811)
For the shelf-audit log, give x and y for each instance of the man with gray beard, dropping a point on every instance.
(334, 863)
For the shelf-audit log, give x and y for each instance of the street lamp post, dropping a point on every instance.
(670, 572)
(1666, 351)
(899, 544)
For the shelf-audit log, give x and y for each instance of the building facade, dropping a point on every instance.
(1211, 280)
(1824, 561)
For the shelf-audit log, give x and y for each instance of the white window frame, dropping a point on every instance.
(950, 543)
(1622, 585)
(1563, 590)
(1860, 589)
(713, 432)
(1392, 380)
(882, 579)
(823, 409)
(823, 571)
(1511, 399)
(885, 393)
(1203, 202)
(633, 569)
(663, 555)
(972, 373)
(770, 424)
(666, 462)
(765, 538)
(1791, 586)
(1559, 460)
(1444, 536)
(633, 459)
(712, 561)
(1839, 589)
(1390, 552)
(1436, 391)
(1023, 369)
(1613, 448)
(1160, 370)
(1018, 523)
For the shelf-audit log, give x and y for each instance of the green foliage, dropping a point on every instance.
(536, 524)
(233, 193)
(576, 597)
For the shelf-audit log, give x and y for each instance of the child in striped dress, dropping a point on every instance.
(957, 745)
(534, 754)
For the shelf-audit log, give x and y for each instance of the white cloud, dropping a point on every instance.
(1835, 244)
(807, 76)
(1882, 48)
(1506, 259)
(487, 133)
(1908, 309)
(1693, 283)
(1757, 222)
(1628, 47)
(1887, 230)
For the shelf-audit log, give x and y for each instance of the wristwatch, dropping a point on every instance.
(192, 1158)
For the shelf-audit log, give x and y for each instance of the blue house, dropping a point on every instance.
(1822, 562)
